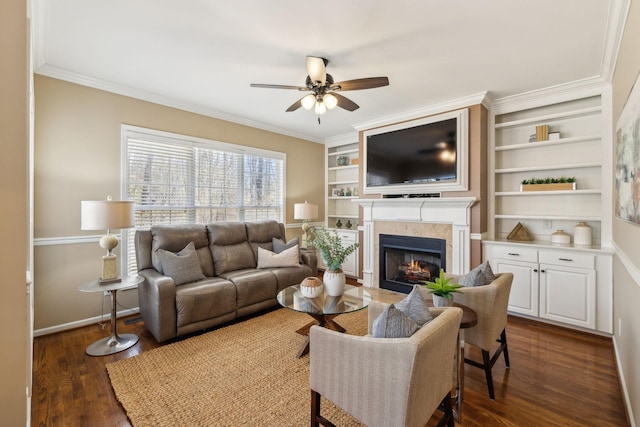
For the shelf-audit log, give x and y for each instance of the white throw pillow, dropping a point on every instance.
(286, 258)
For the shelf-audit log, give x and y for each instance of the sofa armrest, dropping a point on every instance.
(157, 295)
(309, 257)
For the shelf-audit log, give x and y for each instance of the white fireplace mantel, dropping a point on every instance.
(447, 210)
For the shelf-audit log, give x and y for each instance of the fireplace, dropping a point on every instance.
(406, 261)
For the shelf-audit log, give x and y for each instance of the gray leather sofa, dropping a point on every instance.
(230, 285)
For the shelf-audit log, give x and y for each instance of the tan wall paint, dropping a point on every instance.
(14, 211)
(626, 288)
(77, 157)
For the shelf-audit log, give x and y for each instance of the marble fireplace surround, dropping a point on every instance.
(442, 218)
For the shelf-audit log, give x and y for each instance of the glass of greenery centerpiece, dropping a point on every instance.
(442, 290)
(333, 253)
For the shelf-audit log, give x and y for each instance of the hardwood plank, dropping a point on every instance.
(557, 377)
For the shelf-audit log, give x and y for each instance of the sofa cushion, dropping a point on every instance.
(253, 286)
(393, 323)
(479, 276)
(182, 267)
(229, 247)
(288, 276)
(203, 300)
(414, 306)
(279, 245)
(174, 238)
(287, 258)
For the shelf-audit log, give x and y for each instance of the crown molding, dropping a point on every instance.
(590, 86)
(478, 98)
(76, 78)
(345, 138)
(616, 21)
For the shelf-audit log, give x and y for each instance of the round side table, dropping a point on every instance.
(113, 343)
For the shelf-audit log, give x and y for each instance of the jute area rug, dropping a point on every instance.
(245, 374)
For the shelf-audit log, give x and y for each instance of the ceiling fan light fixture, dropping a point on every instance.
(308, 101)
(330, 101)
(320, 108)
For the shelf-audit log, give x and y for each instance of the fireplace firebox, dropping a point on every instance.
(407, 260)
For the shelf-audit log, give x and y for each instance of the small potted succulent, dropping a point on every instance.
(442, 290)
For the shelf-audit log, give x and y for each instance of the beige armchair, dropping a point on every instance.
(490, 304)
(386, 381)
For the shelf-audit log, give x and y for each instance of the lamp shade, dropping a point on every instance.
(106, 215)
(305, 211)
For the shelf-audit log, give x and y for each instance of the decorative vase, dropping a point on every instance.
(439, 301)
(334, 282)
(582, 234)
(560, 237)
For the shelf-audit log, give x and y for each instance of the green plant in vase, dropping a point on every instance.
(443, 288)
(333, 253)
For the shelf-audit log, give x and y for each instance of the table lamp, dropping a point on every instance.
(107, 215)
(305, 211)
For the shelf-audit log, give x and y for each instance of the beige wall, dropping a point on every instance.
(14, 211)
(626, 273)
(77, 157)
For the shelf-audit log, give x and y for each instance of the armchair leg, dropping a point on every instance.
(316, 418)
(488, 361)
(505, 350)
(446, 407)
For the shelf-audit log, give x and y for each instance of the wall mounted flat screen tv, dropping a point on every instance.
(427, 155)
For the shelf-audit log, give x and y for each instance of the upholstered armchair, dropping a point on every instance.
(386, 381)
(490, 304)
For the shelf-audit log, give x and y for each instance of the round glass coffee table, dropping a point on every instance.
(323, 308)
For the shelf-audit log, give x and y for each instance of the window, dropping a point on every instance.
(175, 179)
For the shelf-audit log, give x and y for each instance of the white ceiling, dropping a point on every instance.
(201, 55)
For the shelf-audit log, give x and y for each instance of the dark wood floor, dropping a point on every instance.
(557, 377)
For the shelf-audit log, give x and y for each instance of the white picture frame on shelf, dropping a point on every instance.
(335, 192)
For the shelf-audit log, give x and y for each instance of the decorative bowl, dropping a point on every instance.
(311, 287)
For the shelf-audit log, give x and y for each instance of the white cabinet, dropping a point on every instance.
(560, 285)
(350, 264)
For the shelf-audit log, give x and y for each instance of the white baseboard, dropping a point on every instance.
(84, 322)
(623, 383)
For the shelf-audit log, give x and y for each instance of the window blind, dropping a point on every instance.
(175, 179)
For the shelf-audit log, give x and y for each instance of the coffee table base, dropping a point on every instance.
(324, 320)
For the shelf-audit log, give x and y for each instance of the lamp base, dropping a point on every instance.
(109, 268)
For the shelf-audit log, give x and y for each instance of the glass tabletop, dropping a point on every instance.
(354, 298)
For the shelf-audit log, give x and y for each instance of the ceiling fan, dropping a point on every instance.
(323, 90)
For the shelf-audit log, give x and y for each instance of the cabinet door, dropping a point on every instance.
(568, 295)
(523, 298)
(349, 266)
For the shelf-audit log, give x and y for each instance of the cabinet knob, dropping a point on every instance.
(535, 270)
(542, 271)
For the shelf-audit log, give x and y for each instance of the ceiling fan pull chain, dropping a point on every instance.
(318, 119)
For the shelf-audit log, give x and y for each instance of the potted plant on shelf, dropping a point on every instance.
(333, 253)
(549, 184)
(442, 290)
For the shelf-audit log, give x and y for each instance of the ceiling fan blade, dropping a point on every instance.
(316, 68)
(295, 106)
(358, 84)
(345, 103)
(267, 86)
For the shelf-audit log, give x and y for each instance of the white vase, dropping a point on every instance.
(439, 301)
(334, 282)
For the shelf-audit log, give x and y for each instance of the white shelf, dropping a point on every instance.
(342, 182)
(548, 117)
(343, 167)
(580, 217)
(543, 144)
(550, 167)
(342, 197)
(343, 152)
(548, 193)
(345, 216)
